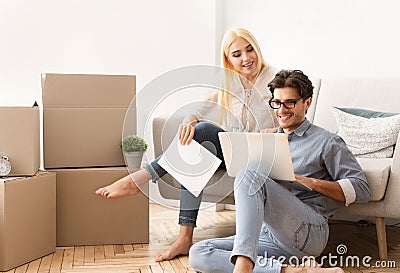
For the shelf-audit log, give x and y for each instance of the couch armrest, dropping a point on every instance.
(396, 156)
(392, 206)
(164, 131)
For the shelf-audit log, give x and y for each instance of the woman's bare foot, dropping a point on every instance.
(127, 185)
(180, 247)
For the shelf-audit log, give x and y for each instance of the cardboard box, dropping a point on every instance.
(83, 119)
(20, 138)
(83, 218)
(27, 219)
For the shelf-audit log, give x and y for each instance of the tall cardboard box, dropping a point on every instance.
(27, 219)
(20, 138)
(83, 118)
(83, 218)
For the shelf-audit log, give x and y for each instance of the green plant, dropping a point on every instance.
(134, 144)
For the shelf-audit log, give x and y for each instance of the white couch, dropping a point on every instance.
(383, 175)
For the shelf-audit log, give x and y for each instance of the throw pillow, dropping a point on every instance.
(366, 113)
(368, 137)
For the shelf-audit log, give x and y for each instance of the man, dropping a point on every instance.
(272, 221)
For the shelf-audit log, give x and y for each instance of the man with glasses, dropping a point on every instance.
(276, 228)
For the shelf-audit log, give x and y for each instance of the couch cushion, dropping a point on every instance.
(368, 137)
(377, 172)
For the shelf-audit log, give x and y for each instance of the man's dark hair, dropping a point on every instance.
(295, 79)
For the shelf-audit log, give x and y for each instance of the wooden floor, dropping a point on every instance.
(359, 241)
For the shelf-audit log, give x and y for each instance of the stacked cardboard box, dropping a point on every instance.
(27, 218)
(83, 119)
(19, 138)
(27, 197)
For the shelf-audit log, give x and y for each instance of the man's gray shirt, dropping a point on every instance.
(320, 154)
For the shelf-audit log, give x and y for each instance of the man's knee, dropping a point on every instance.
(249, 181)
(198, 257)
(244, 178)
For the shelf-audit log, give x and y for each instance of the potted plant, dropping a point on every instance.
(133, 147)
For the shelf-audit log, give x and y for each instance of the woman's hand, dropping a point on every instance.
(186, 133)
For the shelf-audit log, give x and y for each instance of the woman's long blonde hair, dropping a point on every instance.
(224, 97)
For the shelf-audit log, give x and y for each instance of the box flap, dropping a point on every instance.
(30, 106)
(80, 90)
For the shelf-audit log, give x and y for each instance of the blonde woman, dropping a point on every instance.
(242, 106)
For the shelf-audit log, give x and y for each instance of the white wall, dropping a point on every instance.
(341, 38)
(145, 38)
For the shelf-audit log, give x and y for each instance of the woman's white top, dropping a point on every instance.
(249, 111)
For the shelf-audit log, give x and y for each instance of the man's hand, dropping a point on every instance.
(331, 189)
(308, 181)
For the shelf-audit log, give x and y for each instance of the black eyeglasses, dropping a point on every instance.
(289, 104)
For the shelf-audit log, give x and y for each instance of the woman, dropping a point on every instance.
(243, 107)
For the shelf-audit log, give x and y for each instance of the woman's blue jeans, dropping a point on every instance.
(207, 135)
(272, 224)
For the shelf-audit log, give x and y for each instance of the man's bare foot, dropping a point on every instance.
(180, 247)
(127, 185)
(243, 264)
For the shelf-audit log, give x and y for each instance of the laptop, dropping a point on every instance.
(266, 153)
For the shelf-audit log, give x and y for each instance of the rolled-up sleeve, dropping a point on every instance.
(344, 168)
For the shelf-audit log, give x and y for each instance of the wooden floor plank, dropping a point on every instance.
(128, 248)
(156, 268)
(33, 266)
(89, 254)
(21, 269)
(167, 267)
(68, 258)
(57, 261)
(177, 266)
(119, 249)
(109, 251)
(46, 263)
(79, 255)
(99, 253)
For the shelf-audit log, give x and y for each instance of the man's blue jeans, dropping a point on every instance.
(207, 135)
(271, 222)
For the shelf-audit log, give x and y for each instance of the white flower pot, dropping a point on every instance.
(133, 160)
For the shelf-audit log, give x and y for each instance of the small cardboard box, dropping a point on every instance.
(27, 218)
(83, 119)
(83, 218)
(20, 138)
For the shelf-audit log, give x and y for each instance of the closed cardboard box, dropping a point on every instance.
(20, 138)
(83, 218)
(83, 119)
(27, 219)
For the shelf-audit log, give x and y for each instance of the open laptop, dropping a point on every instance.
(266, 153)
